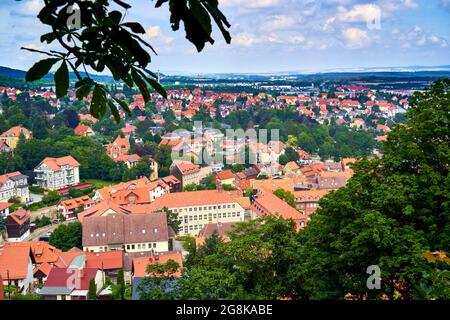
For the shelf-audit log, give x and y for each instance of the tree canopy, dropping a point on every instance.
(92, 34)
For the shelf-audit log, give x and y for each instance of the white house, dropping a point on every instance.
(57, 173)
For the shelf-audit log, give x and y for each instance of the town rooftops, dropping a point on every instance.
(194, 198)
(120, 229)
(56, 164)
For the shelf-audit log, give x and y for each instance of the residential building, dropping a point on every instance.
(173, 183)
(14, 185)
(4, 209)
(71, 283)
(221, 229)
(185, 171)
(57, 173)
(127, 232)
(198, 208)
(16, 267)
(143, 192)
(307, 200)
(83, 130)
(18, 225)
(70, 208)
(267, 203)
(11, 137)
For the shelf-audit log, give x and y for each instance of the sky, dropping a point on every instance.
(270, 35)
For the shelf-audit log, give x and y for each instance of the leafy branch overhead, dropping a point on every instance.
(102, 40)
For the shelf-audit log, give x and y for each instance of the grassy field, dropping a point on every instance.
(99, 183)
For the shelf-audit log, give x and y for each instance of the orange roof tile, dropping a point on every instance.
(140, 264)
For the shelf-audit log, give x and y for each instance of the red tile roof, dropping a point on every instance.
(59, 277)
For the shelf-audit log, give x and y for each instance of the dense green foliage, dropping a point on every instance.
(67, 236)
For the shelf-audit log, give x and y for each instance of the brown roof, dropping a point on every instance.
(107, 205)
(222, 229)
(56, 163)
(120, 229)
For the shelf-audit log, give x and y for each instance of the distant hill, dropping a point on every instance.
(6, 72)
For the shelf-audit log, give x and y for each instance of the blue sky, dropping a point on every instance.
(272, 35)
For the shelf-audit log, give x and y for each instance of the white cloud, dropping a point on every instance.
(356, 38)
(244, 39)
(366, 13)
(34, 6)
(279, 22)
(249, 4)
(153, 32)
(297, 39)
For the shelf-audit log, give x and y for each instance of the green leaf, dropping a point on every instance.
(124, 106)
(122, 4)
(114, 111)
(141, 85)
(62, 80)
(135, 27)
(115, 16)
(155, 85)
(40, 69)
(48, 37)
(98, 105)
(84, 87)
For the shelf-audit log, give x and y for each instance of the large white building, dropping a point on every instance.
(14, 185)
(57, 173)
(197, 209)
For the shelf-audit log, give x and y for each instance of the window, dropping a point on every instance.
(154, 245)
(149, 245)
(218, 207)
(132, 247)
(220, 215)
(234, 214)
(139, 246)
(205, 217)
(195, 218)
(191, 227)
(229, 206)
(215, 216)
